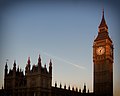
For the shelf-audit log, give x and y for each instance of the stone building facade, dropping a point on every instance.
(37, 81)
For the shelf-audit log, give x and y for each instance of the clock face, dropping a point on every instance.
(100, 50)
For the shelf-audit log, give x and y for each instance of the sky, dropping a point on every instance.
(63, 31)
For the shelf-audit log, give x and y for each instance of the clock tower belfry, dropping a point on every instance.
(103, 61)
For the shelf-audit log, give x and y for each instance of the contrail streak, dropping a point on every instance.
(60, 59)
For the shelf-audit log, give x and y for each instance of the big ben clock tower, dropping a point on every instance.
(103, 61)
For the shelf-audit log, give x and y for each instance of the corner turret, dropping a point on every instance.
(84, 90)
(39, 62)
(6, 69)
(14, 66)
(29, 63)
(50, 67)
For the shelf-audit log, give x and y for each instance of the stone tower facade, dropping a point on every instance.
(103, 61)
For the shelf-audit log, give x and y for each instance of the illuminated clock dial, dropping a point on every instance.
(100, 50)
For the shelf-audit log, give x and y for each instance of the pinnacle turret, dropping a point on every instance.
(28, 60)
(50, 67)
(39, 60)
(28, 63)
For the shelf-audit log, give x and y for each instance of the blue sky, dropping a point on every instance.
(61, 31)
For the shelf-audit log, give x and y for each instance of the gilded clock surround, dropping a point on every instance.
(100, 50)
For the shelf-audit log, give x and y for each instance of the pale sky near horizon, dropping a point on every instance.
(61, 31)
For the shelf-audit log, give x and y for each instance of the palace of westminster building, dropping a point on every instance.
(37, 81)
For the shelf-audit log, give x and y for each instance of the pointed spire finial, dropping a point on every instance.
(6, 65)
(50, 64)
(84, 90)
(65, 86)
(60, 85)
(18, 68)
(80, 90)
(28, 60)
(55, 83)
(50, 67)
(14, 62)
(103, 22)
(76, 89)
(69, 87)
(39, 59)
(103, 11)
(45, 65)
(39, 55)
(84, 84)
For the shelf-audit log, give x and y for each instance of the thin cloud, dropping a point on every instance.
(63, 60)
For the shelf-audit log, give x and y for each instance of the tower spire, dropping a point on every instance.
(28, 60)
(39, 60)
(14, 65)
(6, 69)
(28, 63)
(103, 22)
(103, 11)
(50, 67)
(39, 63)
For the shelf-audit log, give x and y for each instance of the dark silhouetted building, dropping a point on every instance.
(37, 81)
